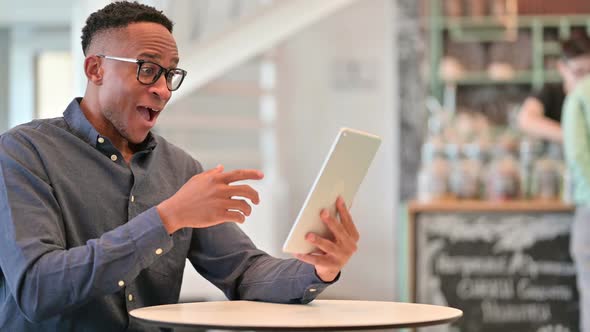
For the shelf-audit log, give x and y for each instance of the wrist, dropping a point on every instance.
(165, 211)
(327, 276)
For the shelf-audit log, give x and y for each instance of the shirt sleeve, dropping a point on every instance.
(576, 124)
(46, 277)
(225, 256)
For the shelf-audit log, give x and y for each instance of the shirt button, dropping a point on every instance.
(312, 290)
(121, 283)
(114, 157)
(132, 198)
(130, 297)
(100, 140)
(159, 251)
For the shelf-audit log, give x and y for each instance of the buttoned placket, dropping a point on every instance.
(133, 199)
(136, 174)
(130, 298)
(114, 157)
(128, 294)
(132, 210)
(101, 145)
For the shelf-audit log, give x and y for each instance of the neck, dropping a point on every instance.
(91, 108)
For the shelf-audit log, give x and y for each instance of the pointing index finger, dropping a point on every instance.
(241, 174)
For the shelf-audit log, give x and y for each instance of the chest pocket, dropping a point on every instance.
(171, 264)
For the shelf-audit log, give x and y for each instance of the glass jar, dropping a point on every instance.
(546, 180)
(433, 181)
(503, 179)
(465, 179)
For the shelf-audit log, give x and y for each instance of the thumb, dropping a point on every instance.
(210, 172)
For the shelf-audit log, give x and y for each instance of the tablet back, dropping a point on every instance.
(341, 174)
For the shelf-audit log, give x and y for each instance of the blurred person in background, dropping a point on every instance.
(576, 142)
(540, 114)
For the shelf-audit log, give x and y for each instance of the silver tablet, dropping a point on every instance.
(341, 174)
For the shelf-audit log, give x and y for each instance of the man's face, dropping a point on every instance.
(574, 70)
(129, 107)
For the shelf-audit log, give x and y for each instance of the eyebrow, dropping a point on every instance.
(157, 57)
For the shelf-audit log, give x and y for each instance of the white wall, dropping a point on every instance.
(48, 13)
(27, 43)
(54, 83)
(318, 95)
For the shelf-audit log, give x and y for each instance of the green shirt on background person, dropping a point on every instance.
(576, 134)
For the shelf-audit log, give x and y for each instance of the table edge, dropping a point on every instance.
(303, 328)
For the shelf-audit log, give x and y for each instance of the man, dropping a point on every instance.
(540, 115)
(98, 214)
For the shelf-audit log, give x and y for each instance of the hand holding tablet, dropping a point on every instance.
(343, 171)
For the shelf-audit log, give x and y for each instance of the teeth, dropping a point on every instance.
(151, 109)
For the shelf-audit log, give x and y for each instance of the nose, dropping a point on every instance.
(160, 89)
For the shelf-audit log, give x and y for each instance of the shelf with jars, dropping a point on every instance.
(497, 42)
(494, 76)
(466, 157)
(485, 57)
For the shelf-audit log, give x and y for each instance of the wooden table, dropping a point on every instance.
(318, 315)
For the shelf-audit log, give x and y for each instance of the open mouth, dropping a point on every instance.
(149, 114)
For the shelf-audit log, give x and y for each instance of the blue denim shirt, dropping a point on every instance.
(81, 242)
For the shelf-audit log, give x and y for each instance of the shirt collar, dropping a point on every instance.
(82, 128)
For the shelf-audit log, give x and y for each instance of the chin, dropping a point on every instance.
(137, 139)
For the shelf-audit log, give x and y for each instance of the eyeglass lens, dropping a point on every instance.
(174, 79)
(150, 72)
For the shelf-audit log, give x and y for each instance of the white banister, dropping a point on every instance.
(209, 59)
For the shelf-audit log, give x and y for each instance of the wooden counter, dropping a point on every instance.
(480, 257)
(489, 206)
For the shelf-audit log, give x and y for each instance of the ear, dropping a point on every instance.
(93, 69)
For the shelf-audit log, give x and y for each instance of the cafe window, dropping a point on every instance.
(54, 83)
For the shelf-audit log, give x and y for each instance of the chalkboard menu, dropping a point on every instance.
(506, 271)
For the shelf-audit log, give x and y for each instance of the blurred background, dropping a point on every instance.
(270, 83)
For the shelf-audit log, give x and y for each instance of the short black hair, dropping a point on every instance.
(119, 15)
(577, 45)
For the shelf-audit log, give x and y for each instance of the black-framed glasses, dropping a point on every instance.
(149, 72)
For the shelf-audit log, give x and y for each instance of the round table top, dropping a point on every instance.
(317, 315)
